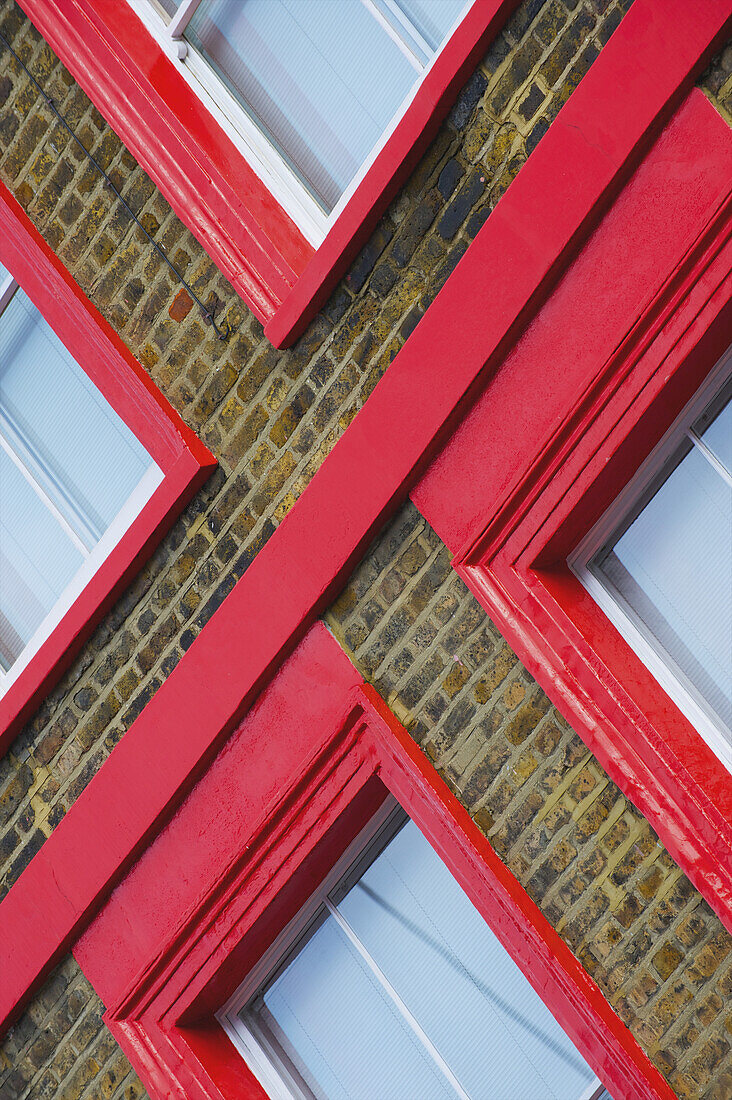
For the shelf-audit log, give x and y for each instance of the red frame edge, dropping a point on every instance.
(209, 183)
(360, 484)
(256, 875)
(390, 169)
(664, 331)
(185, 462)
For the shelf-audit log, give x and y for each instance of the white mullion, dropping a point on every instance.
(40, 492)
(86, 530)
(398, 1002)
(711, 458)
(182, 18)
(594, 1091)
(396, 37)
(7, 290)
(402, 18)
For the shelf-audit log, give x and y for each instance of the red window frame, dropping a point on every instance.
(184, 461)
(608, 126)
(206, 178)
(592, 429)
(271, 817)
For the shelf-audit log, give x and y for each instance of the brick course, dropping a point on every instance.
(61, 1050)
(271, 417)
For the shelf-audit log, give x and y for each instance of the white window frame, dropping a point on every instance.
(261, 155)
(95, 551)
(629, 625)
(269, 1071)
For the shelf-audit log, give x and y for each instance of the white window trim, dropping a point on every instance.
(254, 1054)
(124, 518)
(94, 557)
(269, 1071)
(630, 627)
(263, 158)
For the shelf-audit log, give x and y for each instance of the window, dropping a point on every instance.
(94, 467)
(389, 983)
(307, 88)
(281, 175)
(659, 562)
(72, 478)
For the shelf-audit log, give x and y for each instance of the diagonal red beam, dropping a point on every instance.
(536, 229)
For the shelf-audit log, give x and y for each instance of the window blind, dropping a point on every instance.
(406, 937)
(672, 566)
(68, 466)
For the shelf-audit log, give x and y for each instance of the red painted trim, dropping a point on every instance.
(256, 835)
(391, 168)
(513, 497)
(181, 456)
(539, 225)
(196, 166)
(573, 997)
(208, 181)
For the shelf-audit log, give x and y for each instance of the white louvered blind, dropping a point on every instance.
(669, 563)
(322, 80)
(69, 468)
(400, 989)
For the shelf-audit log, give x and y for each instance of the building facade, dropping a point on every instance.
(398, 436)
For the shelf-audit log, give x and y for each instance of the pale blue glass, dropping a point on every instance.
(3, 274)
(433, 18)
(88, 459)
(471, 999)
(718, 437)
(37, 561)
(673, 566)
(322, 79)
(335, 1024)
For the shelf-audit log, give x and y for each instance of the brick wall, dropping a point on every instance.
(583, 852)
(61, 1050)
(270, 417)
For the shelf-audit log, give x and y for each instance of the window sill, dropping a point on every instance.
(207, 181)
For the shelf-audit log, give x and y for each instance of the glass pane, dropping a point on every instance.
(472, 1000)
(330, 1019)
(322, 79)
(4, 273)
(718, 436)
(432, 18)
(79, 449)
(673, 567)
(37, 561)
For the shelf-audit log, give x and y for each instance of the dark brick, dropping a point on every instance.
(461, 205)
(414, 228)
(470, 95)
(531, 103)
(449, 177)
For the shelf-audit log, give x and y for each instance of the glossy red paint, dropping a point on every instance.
(181, 456)
(636, 330)
(539, 226)
(249, 845)
(208, 181)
